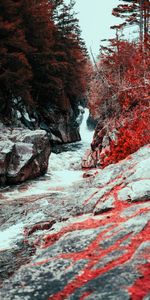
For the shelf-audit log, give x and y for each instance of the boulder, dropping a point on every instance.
(24, 154)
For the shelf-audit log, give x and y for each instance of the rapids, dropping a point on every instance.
(63, 171)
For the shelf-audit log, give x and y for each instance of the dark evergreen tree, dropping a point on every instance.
(136, 12)
(15, 70)
(70, 50)
(42, 55)
(40, 35)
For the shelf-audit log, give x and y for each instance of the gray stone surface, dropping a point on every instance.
(88, 241)
(24, 155)
(136, 191)
(104, 205)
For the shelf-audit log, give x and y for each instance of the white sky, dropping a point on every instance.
(95, 21)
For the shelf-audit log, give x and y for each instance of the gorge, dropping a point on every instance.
(74, 152)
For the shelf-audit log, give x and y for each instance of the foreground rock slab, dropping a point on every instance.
(24, 154)
(93, 241)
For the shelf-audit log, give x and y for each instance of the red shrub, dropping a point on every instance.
(134, 134)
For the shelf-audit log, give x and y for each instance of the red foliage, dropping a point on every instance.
(94, 254)
(121, 80)
(120, 96)
(42, 56)
(134, 134)
(141, 287)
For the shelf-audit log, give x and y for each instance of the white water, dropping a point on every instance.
(64, 170)
(65, 167)
(9, 235)
(86, 135)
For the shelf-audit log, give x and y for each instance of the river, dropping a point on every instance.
(64, 170)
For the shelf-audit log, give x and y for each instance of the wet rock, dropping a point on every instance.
(91, 122)
(80, 251)
(104, 206)
(64, 131)
(24, 155)
(142, 171)
(6, 148)
(90, 173)
(12, 259)
(46, 118)
(136, 191)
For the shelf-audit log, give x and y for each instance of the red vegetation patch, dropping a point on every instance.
(83, 225)
(39, 226)
(94, 253)
(141, 287)
(134, 134)
(85, 295)
(119, 95)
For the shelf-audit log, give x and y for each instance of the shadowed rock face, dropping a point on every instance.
(89, 242)
(101, 142)
(62, 128)
(24, 154)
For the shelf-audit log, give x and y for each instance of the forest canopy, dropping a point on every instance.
(119, 84)
(42, 56)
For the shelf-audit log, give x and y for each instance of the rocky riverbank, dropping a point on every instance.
(89, 241)
(24, 152)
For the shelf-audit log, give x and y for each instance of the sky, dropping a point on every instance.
(95, 20)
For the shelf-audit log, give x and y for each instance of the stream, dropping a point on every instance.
(73, 234)
(22, 204)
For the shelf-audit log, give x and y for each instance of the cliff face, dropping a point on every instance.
(61, 123)
(103, 136)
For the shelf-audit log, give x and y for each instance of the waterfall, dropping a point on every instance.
(86, 135)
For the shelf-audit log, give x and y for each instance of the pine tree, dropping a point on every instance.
(40, 35)
(15, 70)
(42, 55)
(70, 51)
(136, 12)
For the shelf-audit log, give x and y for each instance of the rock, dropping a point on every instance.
(24, 155)
(89, 160)
(64, 131)
(6, 148)
(79, 118)
(142, 171)
(46, 118)
(89, 241)
(136, 191)
(90, 173)
(105, 133)
(54, 139)
(104, 206)
(91, 122)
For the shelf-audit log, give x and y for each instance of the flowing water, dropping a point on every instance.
(64, 170)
